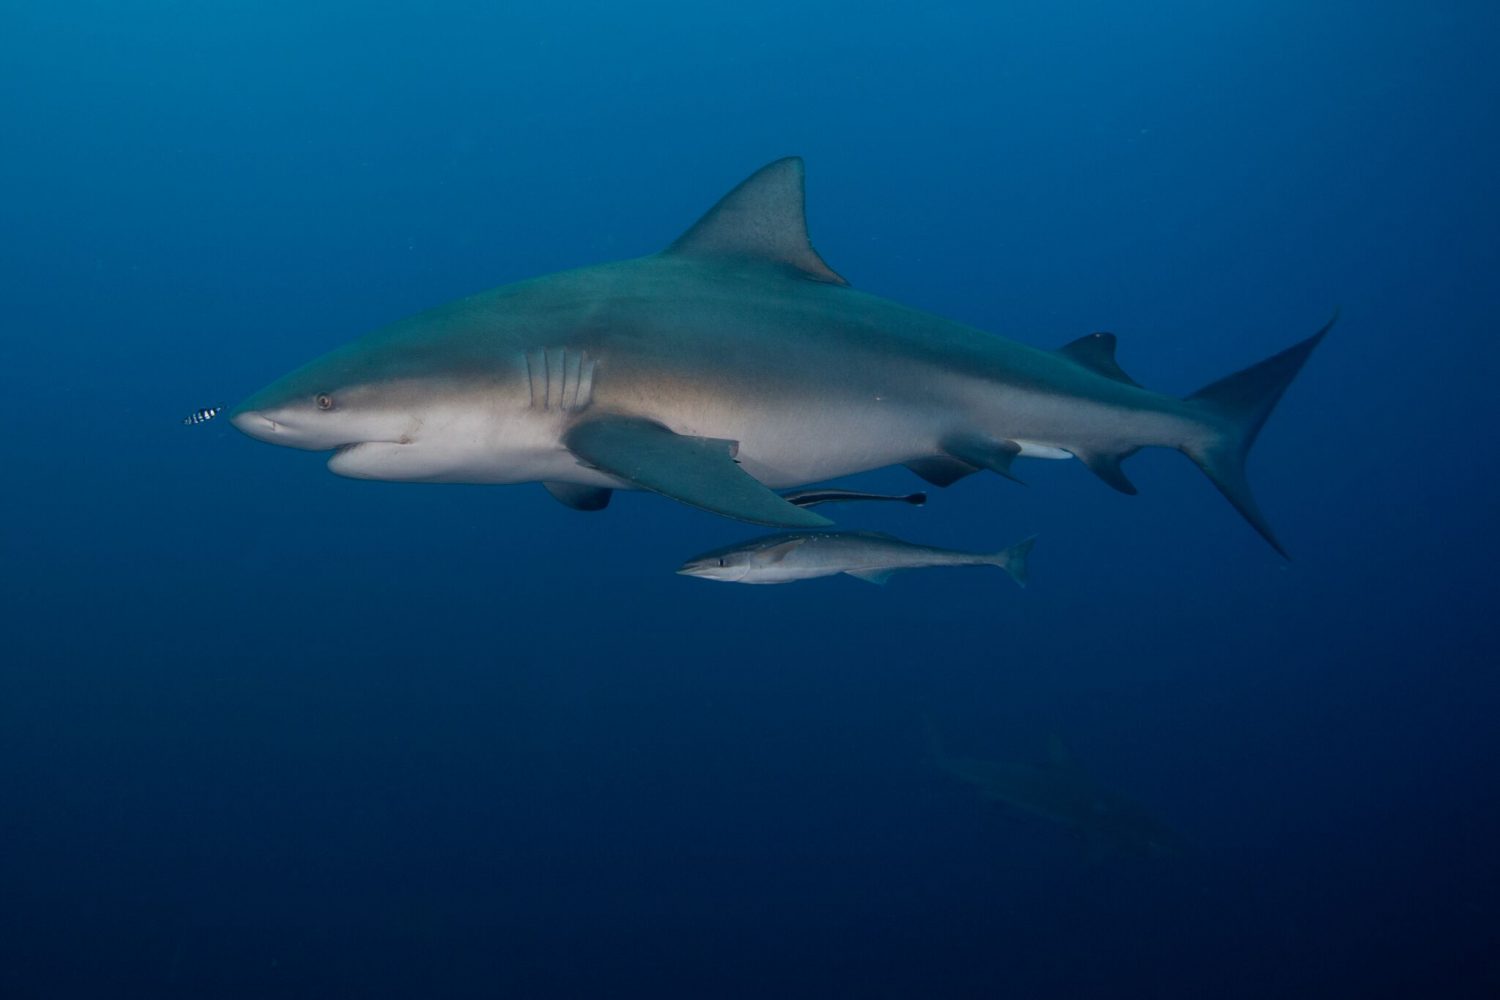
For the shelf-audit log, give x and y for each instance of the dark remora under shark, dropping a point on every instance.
(731, 364)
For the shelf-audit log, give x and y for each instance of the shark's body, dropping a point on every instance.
(733, 363)
(866, 555)
(1060, 790)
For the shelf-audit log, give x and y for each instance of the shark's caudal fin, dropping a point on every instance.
(1237, 408)
(1013, 559)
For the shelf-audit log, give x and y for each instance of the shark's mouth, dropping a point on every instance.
(369, 459)
(353, 446)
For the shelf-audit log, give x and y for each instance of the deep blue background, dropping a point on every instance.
(267, 732)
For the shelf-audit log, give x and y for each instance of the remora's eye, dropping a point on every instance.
(325, 401)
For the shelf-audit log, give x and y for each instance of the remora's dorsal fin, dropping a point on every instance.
(762, 219)
(1096, 352)
(700, 472)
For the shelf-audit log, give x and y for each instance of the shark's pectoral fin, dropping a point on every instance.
(580, 497)
(940, 470)
(877, 576)
(762, 219)
(700, 472)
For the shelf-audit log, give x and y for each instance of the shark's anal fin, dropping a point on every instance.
(700, 472)
(580, 497)
(1107, 468)
(984, 453)
(1096, 352)
(762, 219)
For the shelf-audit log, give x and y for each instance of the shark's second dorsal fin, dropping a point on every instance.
(1096, 352)
(762, 219)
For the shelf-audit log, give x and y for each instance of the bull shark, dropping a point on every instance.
(1062, 791)
(734, 363)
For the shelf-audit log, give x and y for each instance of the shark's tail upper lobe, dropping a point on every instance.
(1236, 408)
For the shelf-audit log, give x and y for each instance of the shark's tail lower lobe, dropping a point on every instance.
(1237, 408)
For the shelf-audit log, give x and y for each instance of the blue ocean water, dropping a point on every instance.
(268, 732)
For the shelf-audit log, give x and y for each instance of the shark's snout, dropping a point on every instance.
(255, 424)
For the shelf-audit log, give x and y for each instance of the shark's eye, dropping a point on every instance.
(721, 562)
(325, 401)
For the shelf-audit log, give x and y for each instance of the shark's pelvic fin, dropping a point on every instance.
(700, 472)
(1096, 352)
(580, 497)
(940, 470)
(966, 455)
(1237, 407)
(762, 219)
(984, 453)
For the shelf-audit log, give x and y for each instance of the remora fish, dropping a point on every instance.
(867, 555)
(1062, 790)
(811, 498)
(733, 363)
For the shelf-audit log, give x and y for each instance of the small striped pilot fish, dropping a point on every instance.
(202, 416)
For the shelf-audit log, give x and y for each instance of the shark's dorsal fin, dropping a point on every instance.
(1096, 352)
(762, 219)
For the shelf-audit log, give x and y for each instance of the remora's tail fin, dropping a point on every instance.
(1013, 559)
(1238, 406)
